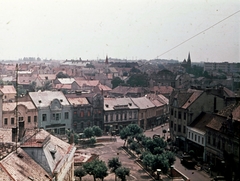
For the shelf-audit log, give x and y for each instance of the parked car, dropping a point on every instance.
(219, 178)
(188, 161)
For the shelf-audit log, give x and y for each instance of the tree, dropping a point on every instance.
(147, 159)
(96, 168)
(80, 172)
(46, 86)
(140, 80)
(135, 70)
(21, 90)
(139, 137)
(75, 138)
(114, 164)
(132, 130)
(116, 81)
(33, 86)
(133, 146)
(171, 157)
(122, 172)
(92, 140)
(124, 133)
(97, 131)
(160, 161)
(62, 75)
(88, 132)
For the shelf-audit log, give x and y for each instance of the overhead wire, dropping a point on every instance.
(198, 33)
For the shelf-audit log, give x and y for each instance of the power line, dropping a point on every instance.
(198, 33)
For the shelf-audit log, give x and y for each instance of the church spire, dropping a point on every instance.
(189, 58)
(106, 61)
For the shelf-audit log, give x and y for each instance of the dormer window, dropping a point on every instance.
(40, 101)
(106, 105)
(61, 100)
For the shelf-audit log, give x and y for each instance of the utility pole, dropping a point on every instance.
(16, 109)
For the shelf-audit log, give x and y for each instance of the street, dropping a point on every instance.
(108, 150)
(194, 175)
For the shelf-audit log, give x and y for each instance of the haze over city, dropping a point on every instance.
(135, 29)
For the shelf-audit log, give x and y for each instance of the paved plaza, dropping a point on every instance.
(108, 150)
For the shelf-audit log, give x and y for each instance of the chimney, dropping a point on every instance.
(14, 134)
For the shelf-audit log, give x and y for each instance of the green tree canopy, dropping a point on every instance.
(116, 81)
(88, 132)
(96, 168)
(122, 172)
(138, 80)
(135, 70)
(62, 75)
(131, 130)
(97, 131)
(114, 164)
(46, 86)
(80, 172)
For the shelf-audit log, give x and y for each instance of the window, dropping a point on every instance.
(179, 128)
(174, 127)
(202, 140)
(179, 115)
(5, 121)
(66, 116)
(171, 111)
(192, 136)
(117, 117)
(171, 124)
(89, 113)
(75, 112)
(111, 117)
(223, 145)
(209, 139)
(175, 114)
(12, 120)
(44, 117)
(29, 119)
(35, 119)
(198, 139)
(130, 115)
(195, 137)
(184, 116)
(135, 115)
(184, 129)
(214, 141)
(81, 125)
(106, 118)
(142, 115)
(188, 134)
(125, 116)
(58, 116)
(82, 114)
(20, 119)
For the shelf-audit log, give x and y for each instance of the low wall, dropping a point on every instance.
(174, 173)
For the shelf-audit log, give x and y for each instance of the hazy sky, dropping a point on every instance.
(132, 29)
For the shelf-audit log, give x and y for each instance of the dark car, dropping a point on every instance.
(188, 161)
(219, 178)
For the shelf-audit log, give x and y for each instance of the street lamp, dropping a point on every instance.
(172, 167)
(111, 131)
(158, 174)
